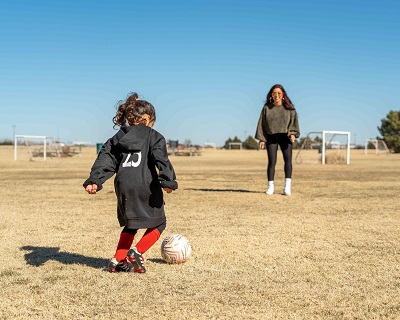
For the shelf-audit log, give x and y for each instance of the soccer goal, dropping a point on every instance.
(235, 145)
(378, 144)
(36, 146)
(330, 144)
(210, 145)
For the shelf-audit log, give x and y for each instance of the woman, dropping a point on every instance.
(278, 125)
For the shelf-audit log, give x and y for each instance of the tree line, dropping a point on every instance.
(389, 130)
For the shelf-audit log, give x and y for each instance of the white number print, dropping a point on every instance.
(132, 163)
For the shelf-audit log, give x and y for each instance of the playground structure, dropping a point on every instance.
(323, 141)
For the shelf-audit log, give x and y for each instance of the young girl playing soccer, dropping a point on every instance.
(135, 154)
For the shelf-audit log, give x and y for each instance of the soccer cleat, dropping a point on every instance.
(112, 265)
(122, 266)
(137, 260)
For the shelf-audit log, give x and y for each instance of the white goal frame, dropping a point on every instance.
(44, 138)
(210, 145)
(324, 133)
(240, 144)
(375, 142)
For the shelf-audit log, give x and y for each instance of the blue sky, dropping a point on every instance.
(206, 66)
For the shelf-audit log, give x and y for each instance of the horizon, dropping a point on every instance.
(206, 67)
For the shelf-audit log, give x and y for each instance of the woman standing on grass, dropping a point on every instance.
(278, 125)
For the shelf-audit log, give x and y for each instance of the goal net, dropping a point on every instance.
(30, 147)
(332, 146)
(378, 145)
(210, 145)
(235, 145)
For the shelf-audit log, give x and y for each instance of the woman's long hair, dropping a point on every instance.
(131, 111)
(286, 102)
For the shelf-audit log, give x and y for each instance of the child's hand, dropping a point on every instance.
(91, 188)
(167, 190)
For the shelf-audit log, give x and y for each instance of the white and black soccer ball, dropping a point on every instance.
(175, 249)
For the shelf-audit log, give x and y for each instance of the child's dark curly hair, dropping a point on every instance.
(131, 111)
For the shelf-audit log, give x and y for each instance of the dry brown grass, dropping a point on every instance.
(330, 251)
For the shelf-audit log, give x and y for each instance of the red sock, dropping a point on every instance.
(124, 244)
(149, 238)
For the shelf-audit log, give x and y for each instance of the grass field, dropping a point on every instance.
(330, 251)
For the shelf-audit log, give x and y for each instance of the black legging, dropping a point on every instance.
(272, 143)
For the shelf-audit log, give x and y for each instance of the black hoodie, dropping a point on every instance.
(135, 153)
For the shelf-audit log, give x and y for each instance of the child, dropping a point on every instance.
(135, 154)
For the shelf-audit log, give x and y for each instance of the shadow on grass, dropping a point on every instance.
(223, 190)
(157, 260)
(40, 255)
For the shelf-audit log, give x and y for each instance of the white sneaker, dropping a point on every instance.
(288, 186)
(271, 188)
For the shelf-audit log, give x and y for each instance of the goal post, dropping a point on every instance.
(239, 144)
(378, 144)
(210, 145)
(27, 137)
(323, 140)
(333, 133)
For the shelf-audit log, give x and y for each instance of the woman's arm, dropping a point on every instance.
(293, 128)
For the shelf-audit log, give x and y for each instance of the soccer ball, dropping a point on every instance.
(175, 249)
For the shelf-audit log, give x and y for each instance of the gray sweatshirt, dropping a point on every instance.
(277, 119)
